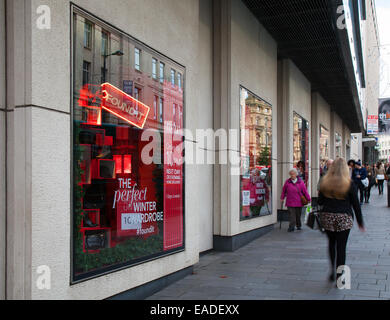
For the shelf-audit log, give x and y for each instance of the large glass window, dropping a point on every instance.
(324, 147)
(338, 139)
(256, 156)
(125, 210)
(301, 147)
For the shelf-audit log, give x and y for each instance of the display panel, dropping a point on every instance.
(125, 210)
(256, 156)
(301, 147)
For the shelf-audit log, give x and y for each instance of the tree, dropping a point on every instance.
(264, 157)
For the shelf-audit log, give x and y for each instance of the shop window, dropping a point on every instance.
(125, 210)
(256, 156)
(301, 147)
(338, 139)
(324, 147)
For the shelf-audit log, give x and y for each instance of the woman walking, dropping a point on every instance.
(380, 176)
(371, 183)
(338, 195)
(293, 190)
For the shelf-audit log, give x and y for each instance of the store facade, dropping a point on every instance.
(105, 125)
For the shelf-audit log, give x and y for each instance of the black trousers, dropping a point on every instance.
(380, 186)
(361, 191)
(337, 247)
(367, 193)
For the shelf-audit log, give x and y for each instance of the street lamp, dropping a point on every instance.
(116, 53)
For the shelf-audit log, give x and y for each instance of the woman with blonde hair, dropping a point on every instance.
(338, 195)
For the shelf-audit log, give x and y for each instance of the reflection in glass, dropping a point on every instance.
(338, 144)
(324, 147)
(301, 147)
(256, 156)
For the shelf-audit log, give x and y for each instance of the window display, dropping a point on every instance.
(256, 156)
(125, 210)
(324, 147)
(337, 138)
(301, 147)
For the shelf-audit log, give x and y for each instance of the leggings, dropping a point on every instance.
(380, 186)
(337, 247)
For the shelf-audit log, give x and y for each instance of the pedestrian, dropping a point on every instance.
(371, 183)
(351, 166)
(293, 190)
(380, 176)
(359, 174)
(338, 195)
(301, 170)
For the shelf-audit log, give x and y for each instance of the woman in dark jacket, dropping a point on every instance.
(371, 183)
(337, 196)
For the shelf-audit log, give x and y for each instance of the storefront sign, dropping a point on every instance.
(124, 106)
(372, 124)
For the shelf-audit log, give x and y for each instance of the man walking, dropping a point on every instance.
(359, 174)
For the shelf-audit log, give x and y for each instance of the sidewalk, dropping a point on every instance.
(290, 266)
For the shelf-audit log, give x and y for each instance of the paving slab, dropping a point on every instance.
(294, 266)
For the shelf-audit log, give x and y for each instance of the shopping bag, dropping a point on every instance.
(313, 221)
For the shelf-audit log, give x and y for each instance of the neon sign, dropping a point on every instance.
(124, 106)
(115, 101)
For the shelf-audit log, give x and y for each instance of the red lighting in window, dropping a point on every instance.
(124, 106)
(118, 163)
(127, 163)
(122, 163)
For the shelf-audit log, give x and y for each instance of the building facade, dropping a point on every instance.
(99, 100)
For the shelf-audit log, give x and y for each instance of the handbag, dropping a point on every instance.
(304, 201)
(365, 182)
(95, 241)
(314, 219)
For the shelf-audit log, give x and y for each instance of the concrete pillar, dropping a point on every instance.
(315, 144)
(19, 149)
(2, 151)
(332, 135)
(222, 105)
(285, 112)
